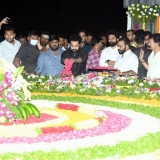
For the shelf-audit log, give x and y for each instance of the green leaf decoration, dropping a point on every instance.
(1, 76)
(21, 95)
(18, 114)
(18, 71)
(38, 130)
(33, 108)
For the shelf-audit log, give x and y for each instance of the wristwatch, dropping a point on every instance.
(108, 61)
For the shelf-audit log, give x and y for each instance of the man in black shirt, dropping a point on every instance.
(142, 71)
(28, 53)
(78, 55)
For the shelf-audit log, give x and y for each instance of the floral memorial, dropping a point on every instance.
(91, 116)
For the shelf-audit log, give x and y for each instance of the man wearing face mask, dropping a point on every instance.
(127, 62)
(28, 53)
(78, 55)
(110, 54)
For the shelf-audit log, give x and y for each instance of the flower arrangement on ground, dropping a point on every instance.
(97, 84)
(14, 95)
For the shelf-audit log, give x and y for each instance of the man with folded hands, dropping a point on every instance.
(153, 64)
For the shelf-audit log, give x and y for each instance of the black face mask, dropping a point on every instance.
(112, 43)
(122, 51)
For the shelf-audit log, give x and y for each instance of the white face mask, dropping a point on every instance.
(33, 42)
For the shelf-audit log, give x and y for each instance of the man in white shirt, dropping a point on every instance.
(153, 65)
(10, 46)
(127, 62)
(110, 54)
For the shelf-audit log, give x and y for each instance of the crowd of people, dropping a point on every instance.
(130, 52)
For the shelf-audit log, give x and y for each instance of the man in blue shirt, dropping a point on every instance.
(49, 62)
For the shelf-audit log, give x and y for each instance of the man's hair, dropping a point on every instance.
(45, 33)
(139, 39)
(147, 33)
(139, 32)
(112, 32)
(75, 37)
(83, 31)
(89, 34)
(155, 37)
(33, 33)
(122, 34)
(9, 28)
(21, 36)
(131, 30)
(53, 37)
(95, 41)
(125, 40)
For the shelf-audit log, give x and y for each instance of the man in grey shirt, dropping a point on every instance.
(28, 53)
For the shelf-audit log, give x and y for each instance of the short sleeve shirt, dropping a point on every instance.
(28, 55)
(49, 64)
(128, 62)
(108, 54)
(8, 50)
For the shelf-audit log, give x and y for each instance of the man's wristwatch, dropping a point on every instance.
(108, 61)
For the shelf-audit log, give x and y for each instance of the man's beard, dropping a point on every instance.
(88, 43)
(74, 50)
(131, 40)
(43, 44)
(112, 43)
(122, 51)
(54, 48)
(147, 46)
(10, 40)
